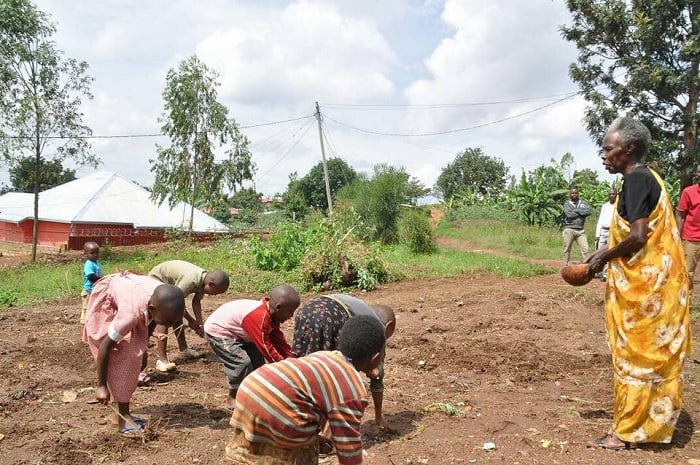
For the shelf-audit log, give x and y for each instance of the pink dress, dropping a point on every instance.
(117, 309)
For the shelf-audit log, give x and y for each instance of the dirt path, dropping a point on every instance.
(524, 361)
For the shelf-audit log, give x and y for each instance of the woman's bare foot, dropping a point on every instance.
(611, 442)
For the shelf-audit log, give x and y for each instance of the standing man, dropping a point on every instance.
(689, 225)
(602, 229)
(575, 213)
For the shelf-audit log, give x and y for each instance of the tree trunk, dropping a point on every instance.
(37, 169)
(194, 185)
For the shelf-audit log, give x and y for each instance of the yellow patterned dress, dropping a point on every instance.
(648, 326)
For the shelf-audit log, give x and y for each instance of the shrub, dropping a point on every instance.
(328, 254)
(284, 250)
(8, 298)
(416, 232)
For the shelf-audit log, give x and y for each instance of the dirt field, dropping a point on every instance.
(524, 361)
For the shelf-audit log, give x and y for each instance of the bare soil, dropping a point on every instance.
(524, 361)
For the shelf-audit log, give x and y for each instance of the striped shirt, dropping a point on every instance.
(285, 404)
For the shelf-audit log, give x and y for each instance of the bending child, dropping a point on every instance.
(121, 316)
(281, 407)
(317, 326)
(192, 280)
(245, 333)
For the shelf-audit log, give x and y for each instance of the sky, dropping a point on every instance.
(410, 83)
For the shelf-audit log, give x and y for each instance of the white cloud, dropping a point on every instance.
(307, 51)
(276, 58)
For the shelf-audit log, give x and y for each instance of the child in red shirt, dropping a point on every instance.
(245, 334)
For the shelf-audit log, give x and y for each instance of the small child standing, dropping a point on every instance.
(92, 271)
(281, 407)
(245, 333)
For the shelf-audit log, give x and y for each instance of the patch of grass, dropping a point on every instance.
(447, 408)
(694, 310)
(447, 262)
(518, 238)
(31, 284)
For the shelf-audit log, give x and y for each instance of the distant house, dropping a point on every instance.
(101, 207)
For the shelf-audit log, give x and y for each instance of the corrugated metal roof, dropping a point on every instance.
(103, 197)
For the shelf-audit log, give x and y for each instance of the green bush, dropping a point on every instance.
(416, 232)
(284, 250)
(328, 254)
(8, 298)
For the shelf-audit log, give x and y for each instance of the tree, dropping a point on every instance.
(378, 202)
(294, 202)
(538, 197)
(40, 96)
(313, 187)
(641, 57)
(198, 125)
(51, 174)
(472, 171)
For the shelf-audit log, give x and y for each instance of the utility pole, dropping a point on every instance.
(323, 157)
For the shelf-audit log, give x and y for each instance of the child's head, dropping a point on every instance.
(363, 341)
(387, 315)
(91, 250)
(284, 300)
(215, 282)
(166, 305)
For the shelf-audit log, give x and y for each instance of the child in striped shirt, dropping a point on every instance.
(282, 406)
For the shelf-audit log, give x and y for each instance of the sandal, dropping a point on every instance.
(606, 443)
(131, 431)
(144, 379)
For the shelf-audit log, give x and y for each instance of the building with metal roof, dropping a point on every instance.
(102, 207)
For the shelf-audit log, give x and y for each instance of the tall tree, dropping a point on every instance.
(378, 201)
(472, 171)
(641, 57)
(198, 126)
(40, 96)
(51, 174)
(313, 187)
(294, 202)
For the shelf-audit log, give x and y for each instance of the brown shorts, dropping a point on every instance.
(243, 452)
(692, 252)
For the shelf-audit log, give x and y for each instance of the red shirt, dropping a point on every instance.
(249, 321)
(690, 205)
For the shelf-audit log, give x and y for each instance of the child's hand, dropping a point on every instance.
(102, 395)
(160, 336)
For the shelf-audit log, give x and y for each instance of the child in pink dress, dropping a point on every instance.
(121, 315)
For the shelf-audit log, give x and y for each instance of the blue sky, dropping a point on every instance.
(444, 65)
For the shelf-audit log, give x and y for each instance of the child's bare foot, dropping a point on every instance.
(230, 404)
(165, 366)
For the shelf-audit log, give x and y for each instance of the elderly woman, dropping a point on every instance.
(646, 299)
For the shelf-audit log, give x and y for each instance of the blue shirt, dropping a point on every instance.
(90, 267)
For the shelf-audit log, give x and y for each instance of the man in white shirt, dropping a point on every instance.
(602, 229)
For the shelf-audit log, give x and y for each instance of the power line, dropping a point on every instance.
(433, 106)
(276, 139)
(328, 143)
(284, 155)
(450, 131)
(134, 136)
